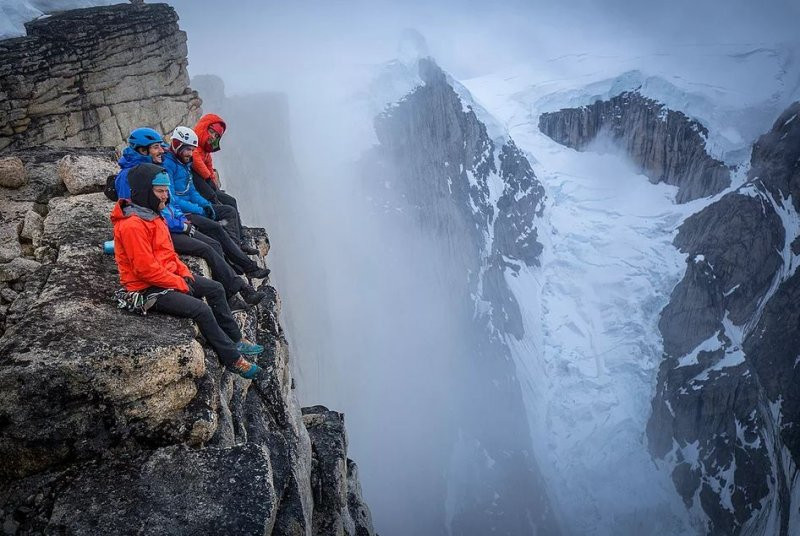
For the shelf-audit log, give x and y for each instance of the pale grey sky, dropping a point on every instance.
(264, 45)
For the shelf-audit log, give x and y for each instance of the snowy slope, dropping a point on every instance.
(15, 13)
(736, 90)
(592, 348)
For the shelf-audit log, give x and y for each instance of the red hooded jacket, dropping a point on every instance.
(202, 163)
(143, 250)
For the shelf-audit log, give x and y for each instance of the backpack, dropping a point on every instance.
(111, 190)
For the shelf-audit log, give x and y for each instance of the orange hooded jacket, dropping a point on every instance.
(143, 250)
(202, 163)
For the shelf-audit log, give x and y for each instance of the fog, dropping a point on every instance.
(373, 314)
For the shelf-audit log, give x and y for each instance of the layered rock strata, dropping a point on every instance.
(89, 76)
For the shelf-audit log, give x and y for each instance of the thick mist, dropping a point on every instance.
(369, 297)
(367, 305)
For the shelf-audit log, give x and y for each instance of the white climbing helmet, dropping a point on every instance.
(185, 136)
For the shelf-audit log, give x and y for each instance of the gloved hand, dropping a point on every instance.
(210, 212)
(190, 284)
(189, 229)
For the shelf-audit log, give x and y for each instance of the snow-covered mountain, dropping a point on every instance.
(477, 197)
(630, 156)
(595, 330)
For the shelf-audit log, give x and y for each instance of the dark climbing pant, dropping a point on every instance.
(232, 250)
(209, 250)
(217, 197)
(212, 193)
(232, 223)
(214, 319)
(227, 199)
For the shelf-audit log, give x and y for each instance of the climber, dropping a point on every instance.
(209, 131)
(178, 163)
(145, 145)
(186, 200)
(148, 264)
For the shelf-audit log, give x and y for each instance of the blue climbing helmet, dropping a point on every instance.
(145, 137)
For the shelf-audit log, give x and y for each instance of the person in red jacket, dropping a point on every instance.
(148, 264)
(209, 129)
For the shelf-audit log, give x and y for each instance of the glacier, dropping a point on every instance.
(591, 350)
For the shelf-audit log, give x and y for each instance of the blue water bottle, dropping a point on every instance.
(108, 247)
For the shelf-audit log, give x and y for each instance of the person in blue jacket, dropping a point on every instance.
(177, 162)
(201, 211)
(145, 145)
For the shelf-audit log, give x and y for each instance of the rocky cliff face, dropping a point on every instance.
(89, 76)
(114, 420)
(725, 415)
(666, 145)
(479, 197)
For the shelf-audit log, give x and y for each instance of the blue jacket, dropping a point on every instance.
(186, 197)
(129, 160)
(176, 219)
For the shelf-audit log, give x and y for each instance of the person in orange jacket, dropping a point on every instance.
(148, 264)
(209, 130)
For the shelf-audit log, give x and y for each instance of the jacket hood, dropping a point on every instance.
(201, 129)
(140, 179)
(125, 209)
(131, 158)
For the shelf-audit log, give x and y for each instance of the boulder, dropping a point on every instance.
(80, 219)
(85, 174)
(68, 393)
(329, 471)
(10, 248)
(8, 295)
(12, 172)
(32, 227)
(17, 269)
(171, 490)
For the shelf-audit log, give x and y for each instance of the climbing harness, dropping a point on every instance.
(137, 302)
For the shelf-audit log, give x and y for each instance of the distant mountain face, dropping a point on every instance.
(725, 414)
(611, 322)
(480, 199)
(719, 420)
(668, 146)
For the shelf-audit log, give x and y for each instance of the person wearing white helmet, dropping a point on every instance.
(183, 143)
(200, 212)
